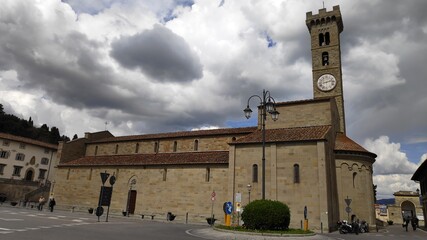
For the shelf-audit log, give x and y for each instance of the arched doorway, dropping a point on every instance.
(408, 209)
(131, 200)
(29, 175)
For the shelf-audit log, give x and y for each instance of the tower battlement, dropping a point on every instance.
(325, 17)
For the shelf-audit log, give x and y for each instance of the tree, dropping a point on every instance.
(375, 193)
(266, 215)
(75, 137)
(1, 109)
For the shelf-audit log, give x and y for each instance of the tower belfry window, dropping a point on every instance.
(324, 39)
(321, 39)
(327, 38)
(325, 59)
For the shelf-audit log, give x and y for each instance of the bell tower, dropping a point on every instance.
(325, 29)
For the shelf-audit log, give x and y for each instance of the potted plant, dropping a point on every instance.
(211, 220)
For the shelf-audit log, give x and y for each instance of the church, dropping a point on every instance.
(310, 163)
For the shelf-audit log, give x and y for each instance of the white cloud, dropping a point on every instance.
(392, 169)
(390, 159)
(389, 184)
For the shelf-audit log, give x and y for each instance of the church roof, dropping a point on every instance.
(344, 143)
(180, 158)
(198, 133)
(28, 141)
(286, 135)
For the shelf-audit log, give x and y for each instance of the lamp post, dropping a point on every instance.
(249, 192)
(267, 105)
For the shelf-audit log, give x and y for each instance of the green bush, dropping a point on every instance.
(266, 215)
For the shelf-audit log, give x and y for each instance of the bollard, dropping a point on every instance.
(301, 225)
(321, 227)
(186, 218)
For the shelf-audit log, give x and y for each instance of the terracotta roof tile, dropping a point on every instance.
(286, 135)
(343, 143)
(28, 141)
(183, 158)
(199, 133)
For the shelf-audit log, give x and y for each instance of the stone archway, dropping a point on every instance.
(408, 208)
(29, 175)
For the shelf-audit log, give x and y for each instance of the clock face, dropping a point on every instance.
(326, 82)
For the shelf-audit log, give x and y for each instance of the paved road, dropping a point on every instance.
(30, 224)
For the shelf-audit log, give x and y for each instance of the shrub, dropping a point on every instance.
(266, 215)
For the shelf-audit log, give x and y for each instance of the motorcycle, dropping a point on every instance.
(345, 227)
(363, 226)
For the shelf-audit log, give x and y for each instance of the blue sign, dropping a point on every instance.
(228, 207)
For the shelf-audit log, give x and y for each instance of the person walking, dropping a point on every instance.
(52, 204)
(41, 203)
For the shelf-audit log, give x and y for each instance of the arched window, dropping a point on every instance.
(254, 173)
(96, 150)
(137, 148)
(117, 149)
(156, 147)
(175, 146)
(354, 179)
(165, 172)
(296, 173)
(325, 59)
(321, 39)
(208, 174)
(327, 38)
(196, 145)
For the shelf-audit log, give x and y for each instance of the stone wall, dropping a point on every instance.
(185, 190)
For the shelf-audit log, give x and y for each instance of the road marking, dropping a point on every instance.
(11, 219)
(5, 229)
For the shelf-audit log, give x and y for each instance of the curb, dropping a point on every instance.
(264, 234)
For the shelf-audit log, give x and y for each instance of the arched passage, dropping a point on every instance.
(408, 209)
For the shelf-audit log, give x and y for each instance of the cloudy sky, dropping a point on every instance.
(170, 65)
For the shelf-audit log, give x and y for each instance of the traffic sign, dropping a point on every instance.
(348, 209)
(213, 199)
(228, 207)
(238, 206)
(213, 194)
(347, 201)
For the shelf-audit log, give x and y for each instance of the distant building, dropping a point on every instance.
(420, 176)
(407, 204)
(25, 164)
(310, 161)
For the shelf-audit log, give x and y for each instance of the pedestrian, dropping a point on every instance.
(52, 204)
(406, 222)
(414, 223)
(41, 203)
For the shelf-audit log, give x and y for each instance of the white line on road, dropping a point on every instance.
(11, 219)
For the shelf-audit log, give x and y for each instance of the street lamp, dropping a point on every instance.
(267, 105)
(249, 192)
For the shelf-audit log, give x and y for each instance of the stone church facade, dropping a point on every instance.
(310, 161)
